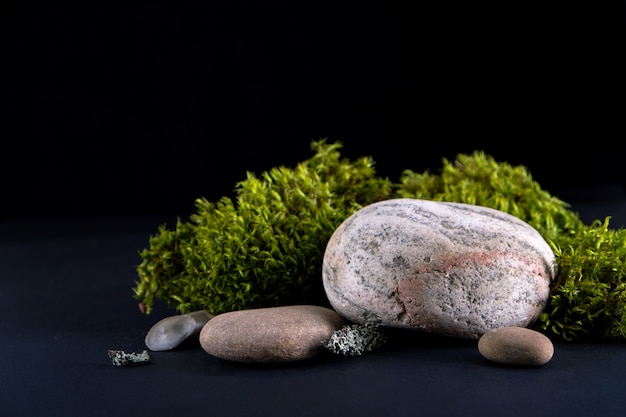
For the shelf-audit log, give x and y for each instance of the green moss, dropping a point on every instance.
(479, 179)
(266, 247)
(588, 298)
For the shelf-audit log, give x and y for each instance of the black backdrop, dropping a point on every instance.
(140, 107)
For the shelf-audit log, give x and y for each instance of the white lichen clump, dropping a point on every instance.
(355, 339)
(121, 358)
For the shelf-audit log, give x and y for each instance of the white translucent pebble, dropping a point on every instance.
(171, 331)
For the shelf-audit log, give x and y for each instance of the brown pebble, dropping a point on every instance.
(518, 346)
(274, 334)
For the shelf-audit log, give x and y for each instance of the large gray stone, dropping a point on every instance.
(449, 268)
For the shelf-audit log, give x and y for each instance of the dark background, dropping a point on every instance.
(138, 108)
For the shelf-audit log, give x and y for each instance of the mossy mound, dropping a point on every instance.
(266, 248)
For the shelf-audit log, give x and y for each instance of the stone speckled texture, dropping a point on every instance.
(516, 346)
(270, 335)
(449, 268)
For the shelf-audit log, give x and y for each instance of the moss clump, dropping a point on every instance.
(266, 248)
(588, 298)
(479, 179)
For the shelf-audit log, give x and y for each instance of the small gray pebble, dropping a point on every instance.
(171, 331)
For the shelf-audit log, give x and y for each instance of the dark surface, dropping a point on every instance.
(65, 299)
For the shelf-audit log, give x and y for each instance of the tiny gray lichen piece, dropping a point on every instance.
(121, 358)
(355, 339)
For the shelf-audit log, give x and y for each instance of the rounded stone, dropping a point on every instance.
(516, 346)
(449, 268)
(170, 332)
(273, 334)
